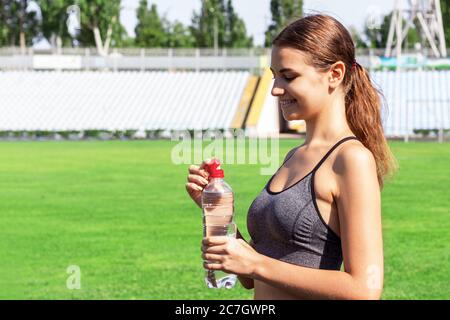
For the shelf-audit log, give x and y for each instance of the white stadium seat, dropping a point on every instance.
(58, 101)
(94, 100)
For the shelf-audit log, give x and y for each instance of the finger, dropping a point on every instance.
(215, 240)
(208, 257)
(197, 179)
(214, 249)
(212, 266)
(193, 187)
(193, 169)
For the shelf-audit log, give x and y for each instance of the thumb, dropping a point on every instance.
(205, 163)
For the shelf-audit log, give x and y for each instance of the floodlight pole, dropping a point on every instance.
(429, 15)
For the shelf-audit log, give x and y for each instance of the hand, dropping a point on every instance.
(197, 179)
(230, 255)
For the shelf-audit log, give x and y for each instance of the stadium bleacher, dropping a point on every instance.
(119, 100)
(414, 100)
(163, 100)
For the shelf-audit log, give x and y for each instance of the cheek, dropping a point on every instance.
(310, 94)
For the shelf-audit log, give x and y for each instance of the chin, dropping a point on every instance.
(292, 116)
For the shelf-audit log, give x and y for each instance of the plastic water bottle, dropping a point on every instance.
(218, 219)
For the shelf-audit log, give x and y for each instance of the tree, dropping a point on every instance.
(54, 19)
(209, 24)
(377, 37)
(235, 30)
(291, 10)
(155, 31)
(357, 39)
(4, 30)
(100, 24)
(19, 24)
(218, 21)
(178, 36)
(149, 30)
(445, 8)
(283, 12)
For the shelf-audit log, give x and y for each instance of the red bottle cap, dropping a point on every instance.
(214, 169)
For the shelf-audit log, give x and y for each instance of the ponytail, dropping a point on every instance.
(363, 113)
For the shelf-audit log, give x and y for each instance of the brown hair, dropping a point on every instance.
(325, 41)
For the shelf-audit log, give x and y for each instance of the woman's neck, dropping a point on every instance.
(329, 126)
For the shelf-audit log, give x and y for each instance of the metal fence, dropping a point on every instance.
(204, 52)
(195, 59)
(141, 59)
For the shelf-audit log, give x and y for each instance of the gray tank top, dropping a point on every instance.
(287, 225)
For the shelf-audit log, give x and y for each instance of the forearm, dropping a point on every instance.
(309, 283)
(246, 282)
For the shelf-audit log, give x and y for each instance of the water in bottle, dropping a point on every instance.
(218, 219)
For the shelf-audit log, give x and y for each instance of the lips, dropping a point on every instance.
(287, 102)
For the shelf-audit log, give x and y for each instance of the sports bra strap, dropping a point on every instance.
(332, 149)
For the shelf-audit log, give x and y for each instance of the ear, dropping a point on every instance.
(336, 74)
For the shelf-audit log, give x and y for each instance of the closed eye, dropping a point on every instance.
(286, 78)
(289, 79)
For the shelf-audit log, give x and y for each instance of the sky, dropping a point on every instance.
(256, 13)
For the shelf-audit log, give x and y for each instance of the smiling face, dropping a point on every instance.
(302, 91)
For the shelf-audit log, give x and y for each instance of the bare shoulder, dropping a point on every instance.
(354, 164)
(354, 155)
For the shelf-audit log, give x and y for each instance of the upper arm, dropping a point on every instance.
(359, 207)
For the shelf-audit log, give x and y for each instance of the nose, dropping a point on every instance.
(277, 90)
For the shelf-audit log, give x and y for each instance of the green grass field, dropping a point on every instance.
(119, 211)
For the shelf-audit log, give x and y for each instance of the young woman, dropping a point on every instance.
(322, 207)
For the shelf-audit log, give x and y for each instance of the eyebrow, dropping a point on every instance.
(283, 70)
